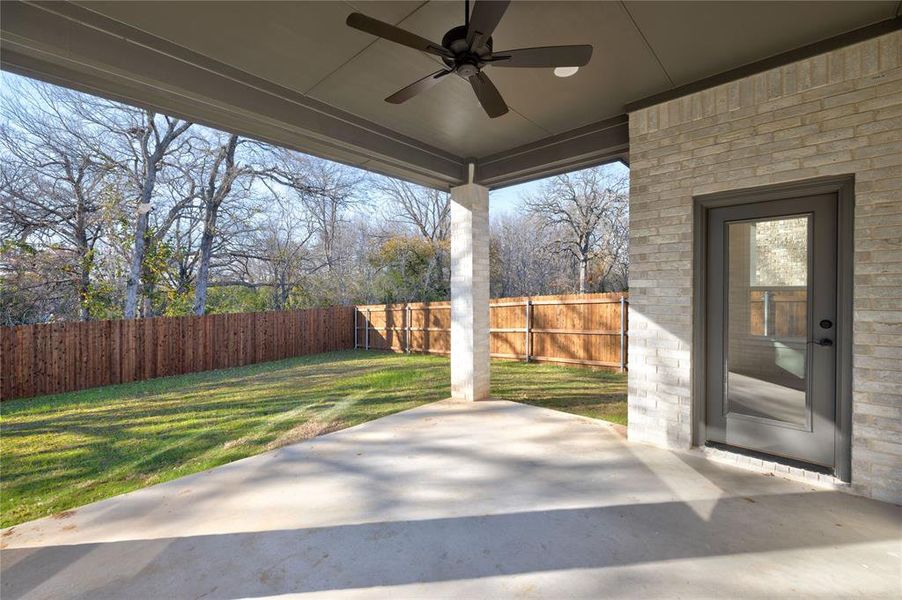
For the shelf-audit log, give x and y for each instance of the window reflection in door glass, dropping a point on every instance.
(767, 318)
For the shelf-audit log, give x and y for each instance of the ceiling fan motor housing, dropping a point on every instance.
(465, 63)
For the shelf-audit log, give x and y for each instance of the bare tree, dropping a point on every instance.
(141, 143)
(153, 141)
(276, 254)
(52, 180)
(584, 214)
(326, 193)
(325, 190)
(522, 264)
(427, 212)
(222, 175)
(105, 207)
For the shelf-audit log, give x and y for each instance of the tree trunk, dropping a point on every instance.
(84, 263)
(214, 194)
(283, 298)
(148, 289)
(280, 291)
(84, 289)
(135, 268)
(141, 224)
(146, 307)
(583, 273)
(206, 251)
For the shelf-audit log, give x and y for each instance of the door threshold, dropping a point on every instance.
(771, 465)
(764, 456)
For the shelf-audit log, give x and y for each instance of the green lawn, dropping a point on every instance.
(66, 450)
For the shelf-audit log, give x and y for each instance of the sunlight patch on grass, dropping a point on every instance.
(591, 393)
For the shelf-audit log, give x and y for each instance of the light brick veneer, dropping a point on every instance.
(837, 113)
(470, 292)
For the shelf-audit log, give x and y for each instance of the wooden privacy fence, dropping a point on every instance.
(53, 358)
(581, 329)
(61, 357)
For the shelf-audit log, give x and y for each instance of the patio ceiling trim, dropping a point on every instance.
(602, 142)
(68, 45)
(779, 60)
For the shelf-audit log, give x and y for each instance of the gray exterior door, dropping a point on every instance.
(771, 327)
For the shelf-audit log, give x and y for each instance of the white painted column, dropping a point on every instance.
(470, 292)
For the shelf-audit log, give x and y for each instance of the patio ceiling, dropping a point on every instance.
(294, 74)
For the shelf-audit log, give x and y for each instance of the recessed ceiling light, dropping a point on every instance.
(565, 71)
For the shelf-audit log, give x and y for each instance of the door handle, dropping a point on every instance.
(826, 342)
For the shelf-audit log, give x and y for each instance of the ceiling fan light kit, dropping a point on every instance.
(467, 49)
(565, 71)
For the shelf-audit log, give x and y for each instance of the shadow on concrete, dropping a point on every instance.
(367, 555)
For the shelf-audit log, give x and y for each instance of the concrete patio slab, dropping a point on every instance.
(492, 499)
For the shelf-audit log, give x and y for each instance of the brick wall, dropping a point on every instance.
(470, 373)
(837, 113)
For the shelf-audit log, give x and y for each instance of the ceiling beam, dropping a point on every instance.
(602, 142)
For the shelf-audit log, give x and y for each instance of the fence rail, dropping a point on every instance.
(588, 329)
(62, 357)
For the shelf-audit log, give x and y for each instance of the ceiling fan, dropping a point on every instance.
(467, 49)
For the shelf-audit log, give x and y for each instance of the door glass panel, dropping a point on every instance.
(767, 318)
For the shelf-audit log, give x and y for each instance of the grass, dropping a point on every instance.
(67, 450)
(587, 392)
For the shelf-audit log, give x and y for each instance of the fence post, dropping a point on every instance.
(356, 345)
(366, 335)
(528, 327)
(407, 312)
(622, 334)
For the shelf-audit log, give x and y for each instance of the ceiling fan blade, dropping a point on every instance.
(484, 19)
(420, 85)
(488, 95)
(395, 34)
(549, 56)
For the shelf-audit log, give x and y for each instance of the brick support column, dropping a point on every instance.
(470, 292)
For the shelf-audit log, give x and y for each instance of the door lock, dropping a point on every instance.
(826, 324)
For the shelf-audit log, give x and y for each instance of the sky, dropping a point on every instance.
(510, 199)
